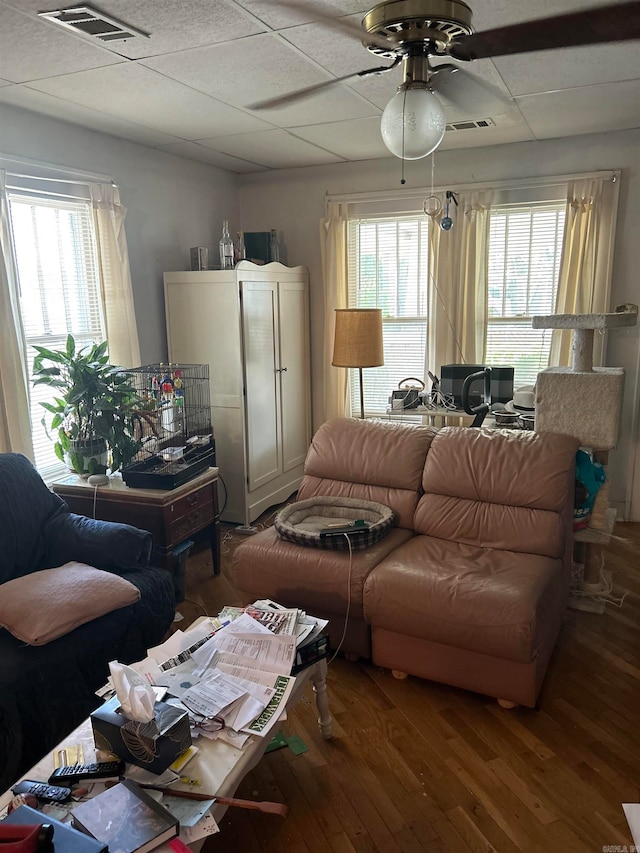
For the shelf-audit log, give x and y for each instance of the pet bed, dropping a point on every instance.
(301, 522)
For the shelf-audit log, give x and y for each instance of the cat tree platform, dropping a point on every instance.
(583, 326)
(582, 400)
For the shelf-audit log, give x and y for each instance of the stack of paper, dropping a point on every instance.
(236, 667)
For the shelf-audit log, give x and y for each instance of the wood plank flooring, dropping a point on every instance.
(419, 766)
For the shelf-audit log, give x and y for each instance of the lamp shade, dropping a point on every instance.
(358, 338)
(413, 123)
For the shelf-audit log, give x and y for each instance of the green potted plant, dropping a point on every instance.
(94, 413)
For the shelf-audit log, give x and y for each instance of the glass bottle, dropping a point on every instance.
(226, 248)
(239, 251)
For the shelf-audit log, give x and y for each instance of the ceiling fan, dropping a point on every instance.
(412, 32)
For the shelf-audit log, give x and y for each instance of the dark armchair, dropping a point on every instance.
(47, 690)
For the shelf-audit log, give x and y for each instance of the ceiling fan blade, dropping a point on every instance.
(348, 27)
(467, 91)
(300, 94)
(620, 22)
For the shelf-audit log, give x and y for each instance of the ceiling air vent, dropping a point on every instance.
(470, 125)
(93, 24)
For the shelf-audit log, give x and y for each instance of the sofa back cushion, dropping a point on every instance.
(373, 461)
(26, 505)
(501, 489)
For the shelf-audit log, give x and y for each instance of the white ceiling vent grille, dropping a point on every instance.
(471, 125)
(95, 25)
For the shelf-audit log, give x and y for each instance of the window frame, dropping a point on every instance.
(68, 197)
(374, 379)
(523, 320)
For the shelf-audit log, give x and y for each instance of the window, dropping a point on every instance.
(388, 269)
(525, 245)
(58, 280)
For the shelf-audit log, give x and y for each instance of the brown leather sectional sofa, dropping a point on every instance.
(470, 587)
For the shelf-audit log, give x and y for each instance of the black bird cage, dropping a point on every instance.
(172, 425)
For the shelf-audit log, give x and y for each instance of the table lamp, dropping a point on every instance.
(358, 341)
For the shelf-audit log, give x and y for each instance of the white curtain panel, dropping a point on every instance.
(585, 265)
(15, 423)
(458, 267)
(333, 245)
(115, 276)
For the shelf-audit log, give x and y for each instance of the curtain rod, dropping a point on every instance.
(513, 183)
(88, 179)
(14, 165)
(30, 193)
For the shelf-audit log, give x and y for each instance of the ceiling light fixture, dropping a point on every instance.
(413, 122)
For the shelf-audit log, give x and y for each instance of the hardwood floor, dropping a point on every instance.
(419, 766)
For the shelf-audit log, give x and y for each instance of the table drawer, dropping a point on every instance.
(191, 517)
(190, 503)
(191, 522)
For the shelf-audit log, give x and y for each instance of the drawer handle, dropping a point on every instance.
(192, 500)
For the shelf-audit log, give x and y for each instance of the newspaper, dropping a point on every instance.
(237, 665)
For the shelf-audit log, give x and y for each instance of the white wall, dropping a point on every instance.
(172, 203)
(293, 202)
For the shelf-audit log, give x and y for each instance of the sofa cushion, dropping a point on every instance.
(370, 460)
(481, 599)
(45, 605)
(509, 490)
(26, 505)
(266, 566)
(492, 525)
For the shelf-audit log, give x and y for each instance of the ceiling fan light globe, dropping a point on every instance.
(420, 114)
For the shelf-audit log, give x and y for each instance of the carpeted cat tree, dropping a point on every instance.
(586, 402)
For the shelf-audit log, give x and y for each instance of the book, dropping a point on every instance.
(127, 819)
(66, 839)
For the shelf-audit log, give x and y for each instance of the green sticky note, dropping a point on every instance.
(296, 745)
(278, 741)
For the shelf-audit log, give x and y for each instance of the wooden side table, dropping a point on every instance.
(171, 516)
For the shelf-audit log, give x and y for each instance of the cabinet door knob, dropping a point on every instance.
(283, 369)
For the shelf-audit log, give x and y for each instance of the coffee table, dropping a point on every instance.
(218, 766)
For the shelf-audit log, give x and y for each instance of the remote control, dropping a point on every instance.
(340, 531)
(75, 772)
(44, 792)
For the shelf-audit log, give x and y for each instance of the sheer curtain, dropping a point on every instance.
(15, 423)
(333, 246)
(585, 265)
(458, 284)
(115, 276)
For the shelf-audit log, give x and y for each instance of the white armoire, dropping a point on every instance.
(251, 326)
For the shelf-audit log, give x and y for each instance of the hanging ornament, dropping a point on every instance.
(432, 204)
(446, 223)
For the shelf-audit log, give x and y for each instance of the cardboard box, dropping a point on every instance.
(153, 745)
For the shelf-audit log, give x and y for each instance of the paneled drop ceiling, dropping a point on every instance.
(187, 88)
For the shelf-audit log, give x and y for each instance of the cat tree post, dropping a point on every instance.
(584, 401)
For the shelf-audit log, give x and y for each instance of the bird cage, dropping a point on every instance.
(172, 425)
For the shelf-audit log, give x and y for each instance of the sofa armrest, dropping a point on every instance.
(104, 544)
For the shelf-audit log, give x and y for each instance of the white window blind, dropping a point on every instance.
(388, 269)
(59, 289)
(525, 247)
